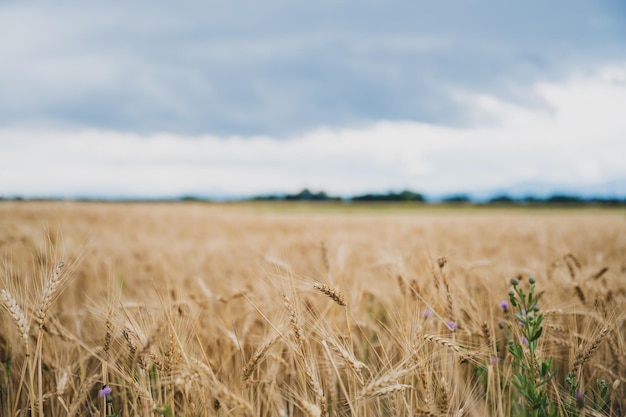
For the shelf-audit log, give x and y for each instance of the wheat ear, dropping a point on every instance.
(294, 323)
(16, 313)
(50, 292)
(585, 355)
(258, 356)
(20, 321)
(385, 384)
(331, 292)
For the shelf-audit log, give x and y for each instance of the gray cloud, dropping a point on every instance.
(277, 68)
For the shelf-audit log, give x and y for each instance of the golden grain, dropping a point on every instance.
(180, 309)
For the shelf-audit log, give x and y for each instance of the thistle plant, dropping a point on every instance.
(531, 375)
(108, 398)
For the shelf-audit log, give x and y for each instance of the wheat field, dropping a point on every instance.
(193, 309)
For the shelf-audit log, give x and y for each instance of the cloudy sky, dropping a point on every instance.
(152, 99)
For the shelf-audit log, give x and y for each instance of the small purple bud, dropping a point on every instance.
(504, 305)
(426, 313)
(500, 324)
(106, 390)
(452, 325)
(523, 312)
(524, 341)
(580, 399)
(494, 360)
(531, 280)
(514, 282)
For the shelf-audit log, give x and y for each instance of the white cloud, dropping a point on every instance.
(578, 139)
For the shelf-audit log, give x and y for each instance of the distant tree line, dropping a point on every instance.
(557, 199)
(307, 195)
(304, 195)
(402, 196)
(411, 196)
(391, 196)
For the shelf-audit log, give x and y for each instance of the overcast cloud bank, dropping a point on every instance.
(575, 139)
(286, 68)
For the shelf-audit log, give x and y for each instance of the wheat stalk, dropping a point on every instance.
(401, 285)
(17, 315)
(20, 321)
(584, 356)
(331, 292)
(414, 288)
(325, 259)
(450, 344)
(50, 292)
(316, 387)
(443, 397)
(309, 408)
(382, 383)
(347, 357)
(600, 273)
(486, 334)
(258, 356)
(580, 294)
(294, 323)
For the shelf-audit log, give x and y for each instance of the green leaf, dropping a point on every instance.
(537, 335)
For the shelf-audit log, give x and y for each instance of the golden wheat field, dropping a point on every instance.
(192, 309)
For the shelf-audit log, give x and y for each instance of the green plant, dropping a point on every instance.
(531, 374)
(600, 397)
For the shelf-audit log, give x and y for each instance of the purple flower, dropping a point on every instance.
(426, 313)
(524, 341)
(494, 360)
(523, 312)
(504, 305)
(106, 390)
(452, 325)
